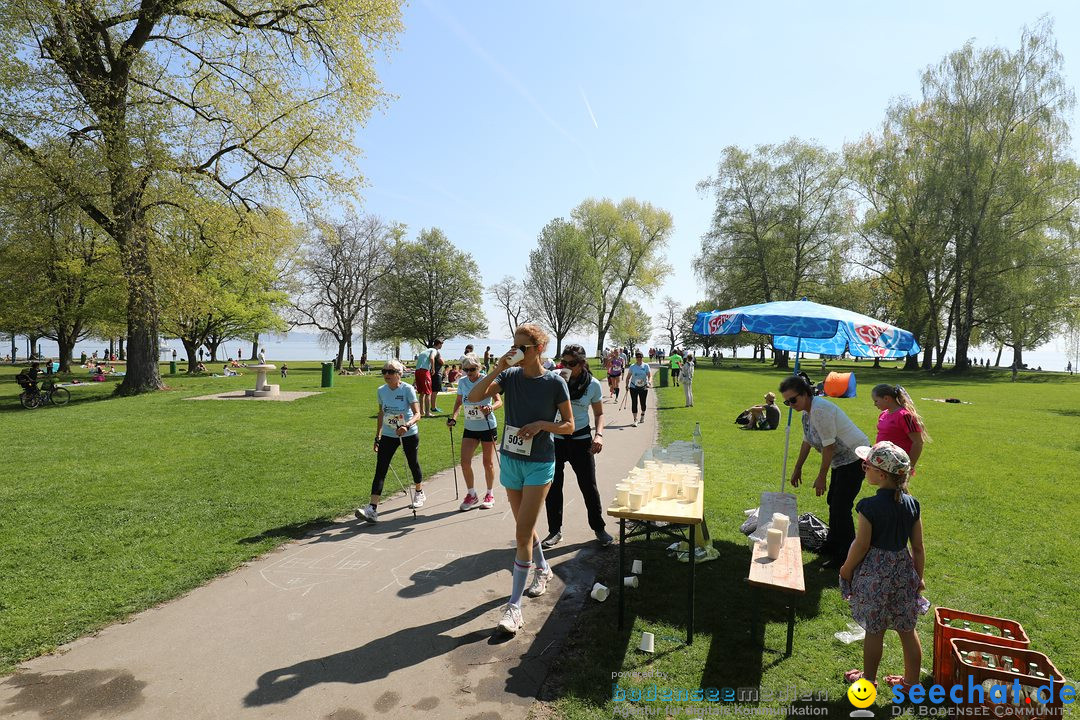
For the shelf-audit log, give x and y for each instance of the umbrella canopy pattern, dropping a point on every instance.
(812, 327)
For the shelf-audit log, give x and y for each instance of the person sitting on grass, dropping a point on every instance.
(453, 375)
(764, 417)
(880, 578)
(229, 372)
(199, 367)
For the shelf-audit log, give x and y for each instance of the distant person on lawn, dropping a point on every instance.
(422, 378)
(899, 421)
(764, 417)
(832, 433)
(675, 362)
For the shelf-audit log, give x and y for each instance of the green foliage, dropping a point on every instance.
(627, 242)
(431, 290)
(631, 325)
(559, 279)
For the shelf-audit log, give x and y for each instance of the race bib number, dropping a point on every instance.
(473, 412)
(513, 442)
(639, 382)
(392, 422)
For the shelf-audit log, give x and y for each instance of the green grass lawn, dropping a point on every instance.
(111, 505)
(998, 494)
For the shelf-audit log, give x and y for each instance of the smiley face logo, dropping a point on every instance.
(862, 693)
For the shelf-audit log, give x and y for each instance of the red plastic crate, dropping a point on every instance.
(1019, 707)
(943, 634)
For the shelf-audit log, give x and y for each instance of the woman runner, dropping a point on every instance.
(480, 428)
(638, 382)
(527, 456)
(399, 412)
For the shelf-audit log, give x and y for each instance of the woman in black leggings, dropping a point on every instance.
(638, 382)
(399, 412)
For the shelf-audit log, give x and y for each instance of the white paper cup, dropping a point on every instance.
(692, 489)
(622, 494)
(517, 357)
(647, 642)
(636, 567)
(634, 499)
(630, 581)
(599, 592)
(774, 539)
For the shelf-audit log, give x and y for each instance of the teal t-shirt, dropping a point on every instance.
(464, 385)
(639, 375)
(593, 394)
(396, 406)
(527, 400)
(423, 360)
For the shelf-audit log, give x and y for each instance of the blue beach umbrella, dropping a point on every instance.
(804, 326)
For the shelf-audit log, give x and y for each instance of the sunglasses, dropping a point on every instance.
(569, 363)
(791, 401)
(389, 371)
(522, 348)
(472, 369)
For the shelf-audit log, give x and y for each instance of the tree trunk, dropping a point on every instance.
(363, 333)
(143, 372)
(877, 363)
(31, 346)
(911, 362)
(66, 340)
(1018, 356)
(997, 362)
(120, 348)
(254, 347)
(351, 356)
(780, 359)
(212, 346)
(558, 345)
(14, 348)
(192, 349)
(340, 354)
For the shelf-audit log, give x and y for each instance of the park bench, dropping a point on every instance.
(785, 573)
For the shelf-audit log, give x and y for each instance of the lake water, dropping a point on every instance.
(298, 345)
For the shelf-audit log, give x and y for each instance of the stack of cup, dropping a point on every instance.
(773, 540)
(622, 495)
(780, 521)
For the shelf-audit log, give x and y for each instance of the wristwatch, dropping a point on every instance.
(599, 434)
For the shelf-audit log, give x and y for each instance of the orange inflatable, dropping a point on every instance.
(840, 384)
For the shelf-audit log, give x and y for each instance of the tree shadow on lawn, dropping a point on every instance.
(76, 400)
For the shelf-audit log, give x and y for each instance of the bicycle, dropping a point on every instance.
(48, 393)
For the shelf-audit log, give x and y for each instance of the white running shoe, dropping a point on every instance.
(511, 620)
(489, 501)
(539, 583)
(470, 502)
(419, 498)
(634, 421)
(367, 513)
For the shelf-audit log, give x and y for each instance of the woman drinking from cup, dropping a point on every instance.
(527, 457)
(399, 412)
(480, 429)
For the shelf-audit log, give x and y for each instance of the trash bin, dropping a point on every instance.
(664, 371)
(172, 367)
(328, 374)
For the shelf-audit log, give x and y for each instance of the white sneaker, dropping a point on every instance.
(511, 620)
(419, 498)
(489, 501)
(367, 513)
(634, 421)
(539, 583)
(470, 502)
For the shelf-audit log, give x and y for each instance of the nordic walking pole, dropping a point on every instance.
(626, 394)
(453, 458)
(402, 486)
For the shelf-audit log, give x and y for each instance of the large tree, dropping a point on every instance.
(509, 293)
(628, 243)
(179, 98)
(671, 322)
(631, 325)
(1000, 120)
(559, 280)
(341, 275)
(430, 291)
(781, 215)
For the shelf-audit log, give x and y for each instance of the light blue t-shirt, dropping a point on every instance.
(423, 360)
(639, 375)
(396, 406)
(464, 385)
(593, 394)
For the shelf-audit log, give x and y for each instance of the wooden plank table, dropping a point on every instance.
(785, 573)
(673, 512)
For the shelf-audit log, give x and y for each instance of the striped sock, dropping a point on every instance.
(521, 576)
(538, 556)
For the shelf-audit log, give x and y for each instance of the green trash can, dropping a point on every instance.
(664, 372)
(172, 367)
(328, 374)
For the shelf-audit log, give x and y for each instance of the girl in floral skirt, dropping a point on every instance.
(880, 578)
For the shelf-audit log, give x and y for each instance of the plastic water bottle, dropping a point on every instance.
(697, 434)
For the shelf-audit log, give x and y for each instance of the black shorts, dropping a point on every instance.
(481, 435)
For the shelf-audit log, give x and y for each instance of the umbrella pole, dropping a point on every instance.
(790, 412)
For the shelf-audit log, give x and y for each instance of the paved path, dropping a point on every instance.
(392, 620)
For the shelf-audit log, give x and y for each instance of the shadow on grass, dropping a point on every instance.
(76, 400)
(1066, 412)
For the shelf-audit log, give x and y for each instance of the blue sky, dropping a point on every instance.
(508, 115)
